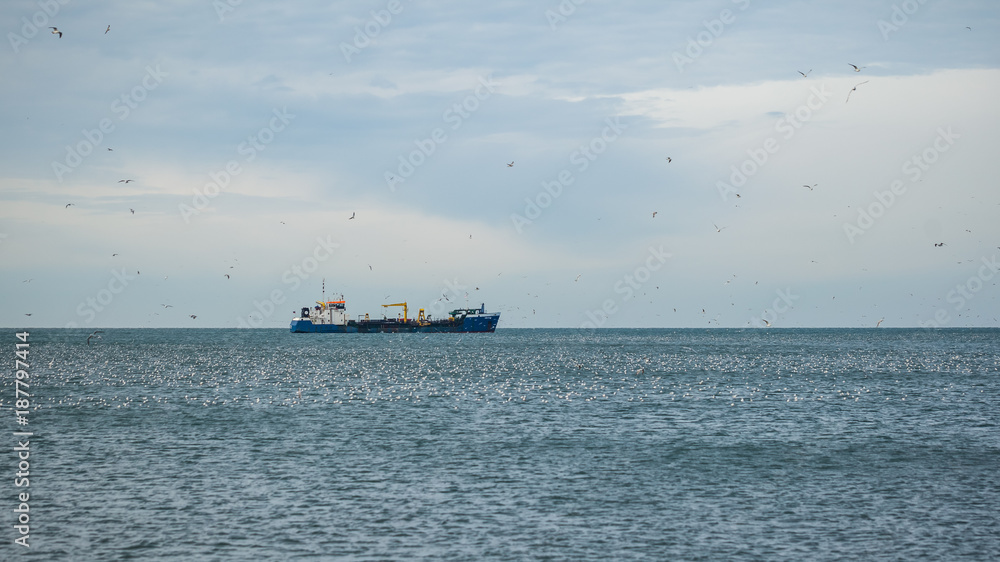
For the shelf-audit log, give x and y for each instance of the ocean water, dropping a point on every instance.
(521, 445)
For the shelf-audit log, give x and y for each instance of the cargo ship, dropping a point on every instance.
(331, 317)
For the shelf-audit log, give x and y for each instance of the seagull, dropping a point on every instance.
(56, 32)
(67, 205)
(370, 267)
(810, 186)
(511, 165)
(192, 316)
(107, 30)
(167, 305)
(766, 323)
(856, 69)
(804, 74)
(938, 244)
(717, 229)
(111, 149)
(879, 323)
(133, 211)
(125, 181)
(227, 275)
(28, 280)
(669, 159)
(94, 335)
(852, 89)
(113, 255)
(27, 314)
(352, 215)
(654, 214)
(578, 278)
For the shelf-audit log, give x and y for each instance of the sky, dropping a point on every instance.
(581, 163)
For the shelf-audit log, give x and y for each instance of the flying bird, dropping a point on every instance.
(192, 316)
(107, 30)
(577, 278)
(654, 214)
(879, 323)
(27, 314)
(352, 215)
(856, 69)
(852, 89)
(167, 305)
(125, 181)
(67, 205)
(938, 244)
(804, 74)
(110, 149)
(94, 335)
(56, 32)
(511, 165)
(133, 211)
(717, 229)
(810, 186)
(669, 159)
(227, 275)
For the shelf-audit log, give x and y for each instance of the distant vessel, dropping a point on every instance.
(331, 317)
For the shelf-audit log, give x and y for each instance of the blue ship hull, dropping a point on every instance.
(482, 323)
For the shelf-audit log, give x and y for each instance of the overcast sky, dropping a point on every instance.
(674, 164)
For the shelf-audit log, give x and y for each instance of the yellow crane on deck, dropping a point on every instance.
(402, 304)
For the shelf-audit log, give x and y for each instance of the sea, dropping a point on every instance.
(525, 444)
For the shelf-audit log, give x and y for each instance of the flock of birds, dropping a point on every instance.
(669, 159)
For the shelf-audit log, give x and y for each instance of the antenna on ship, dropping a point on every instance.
(324, 289)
